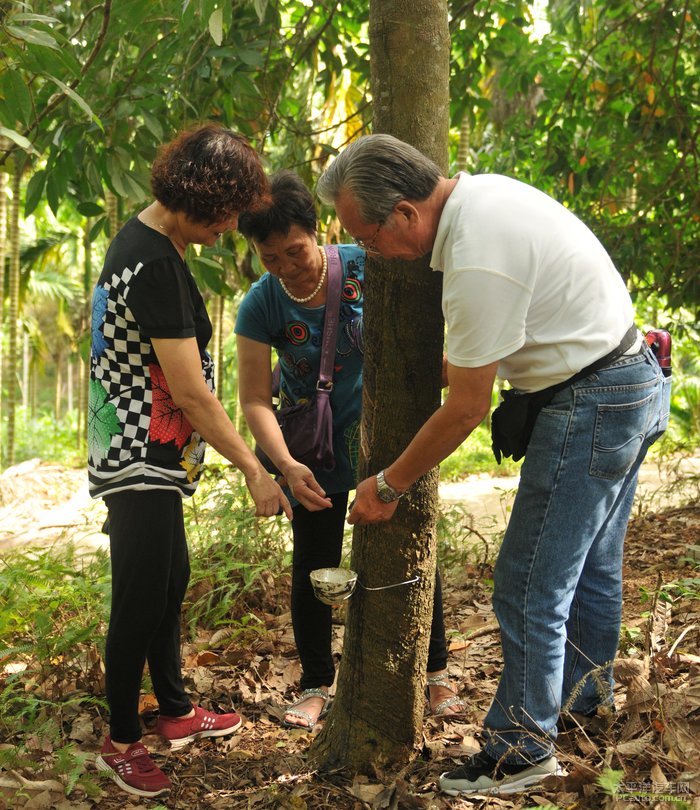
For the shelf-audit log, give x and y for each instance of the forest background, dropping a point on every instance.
(596, 103)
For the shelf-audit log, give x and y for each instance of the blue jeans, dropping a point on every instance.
(558, 577)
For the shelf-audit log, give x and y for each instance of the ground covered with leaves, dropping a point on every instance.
(647, 752)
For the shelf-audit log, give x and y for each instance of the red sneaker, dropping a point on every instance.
(134, 770)
(183, 730)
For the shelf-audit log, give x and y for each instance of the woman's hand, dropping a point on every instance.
(305, 487)
(267, 495)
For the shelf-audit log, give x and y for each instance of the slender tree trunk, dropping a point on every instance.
(4, 177)
(83, 388)
(378, 710)
(33, 389)
(217, 322)
(24, 377)
(58, 389)
(112, 206)
(464, 144)
(70, 400)
(12, 320)
(83, 358)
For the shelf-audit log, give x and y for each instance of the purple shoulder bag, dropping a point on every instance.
(308, 427)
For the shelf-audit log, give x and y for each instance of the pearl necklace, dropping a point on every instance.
(324, 270)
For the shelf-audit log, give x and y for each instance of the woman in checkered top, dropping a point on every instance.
(152, 408)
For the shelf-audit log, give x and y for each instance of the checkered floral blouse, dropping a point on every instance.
(137, 437)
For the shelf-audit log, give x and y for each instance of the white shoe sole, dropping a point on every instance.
(517, 784)
(101, 765)
(176, 745)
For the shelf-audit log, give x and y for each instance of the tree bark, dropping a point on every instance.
(58, 388)
(85, 326)
(112, 207)
(217, 322)
(10, 405)
(378, 709)
(4, 177)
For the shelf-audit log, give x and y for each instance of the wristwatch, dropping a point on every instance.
(386, 493)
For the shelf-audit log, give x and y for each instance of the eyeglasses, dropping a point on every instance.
(370, 245)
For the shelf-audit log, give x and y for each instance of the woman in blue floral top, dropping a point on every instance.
(285, 310)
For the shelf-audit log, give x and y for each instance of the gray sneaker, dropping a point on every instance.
(483, 774)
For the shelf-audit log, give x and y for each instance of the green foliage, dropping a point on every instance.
(475, 456)
(461, 542)
(610, 781)
(234, 554)
(686, 588)
(49, 439)
(53, 606)
(602, 114)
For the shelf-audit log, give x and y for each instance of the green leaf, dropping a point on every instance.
(610, 780)
(20, 140)
(17, 97)
(260, 7)
(211, 274)
(153, 124)
(53, 191)
(251, 57)
(79, 100)
(34, 18)
(208, 262)
(216, 29)
(90, 209)
(97, 227)
(32, 36)
(53, 62)
(35, 189)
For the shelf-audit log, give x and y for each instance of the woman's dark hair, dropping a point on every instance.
(290, 203)
(209, 173)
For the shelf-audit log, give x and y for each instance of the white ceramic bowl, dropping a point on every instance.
(333, 585)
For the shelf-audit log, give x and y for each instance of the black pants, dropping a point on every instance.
(150, 572)
(318, 541)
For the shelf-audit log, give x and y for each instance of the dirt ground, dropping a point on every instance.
(653, 738)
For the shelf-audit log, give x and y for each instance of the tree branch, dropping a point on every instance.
(60, 97)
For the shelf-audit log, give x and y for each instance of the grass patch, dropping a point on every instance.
(236, 557)
(475, 456)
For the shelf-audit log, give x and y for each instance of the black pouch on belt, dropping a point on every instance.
(514, 419)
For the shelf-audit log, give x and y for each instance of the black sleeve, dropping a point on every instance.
(160, 300)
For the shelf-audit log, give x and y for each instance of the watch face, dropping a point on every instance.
(386, 497)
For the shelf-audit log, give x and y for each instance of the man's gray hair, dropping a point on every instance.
(378, 171)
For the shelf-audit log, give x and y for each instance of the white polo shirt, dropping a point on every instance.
(526, 283)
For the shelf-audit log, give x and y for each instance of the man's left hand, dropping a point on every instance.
(367, 508)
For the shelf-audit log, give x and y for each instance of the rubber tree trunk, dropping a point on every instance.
(378, 710)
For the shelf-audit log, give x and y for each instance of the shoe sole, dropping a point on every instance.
(504, 788)
(176, 745)
(101, 765)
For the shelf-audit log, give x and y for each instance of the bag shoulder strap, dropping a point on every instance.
(331, 319)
